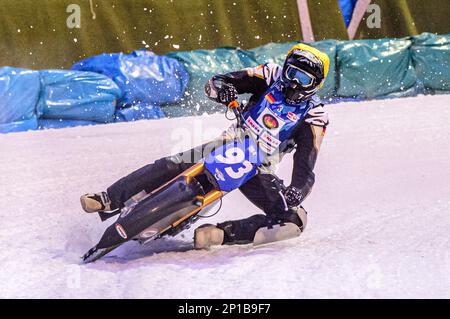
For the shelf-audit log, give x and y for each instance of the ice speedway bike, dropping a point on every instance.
(174, 206)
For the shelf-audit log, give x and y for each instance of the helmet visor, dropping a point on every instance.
(303, 78)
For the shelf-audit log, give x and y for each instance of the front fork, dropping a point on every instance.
(202, 201)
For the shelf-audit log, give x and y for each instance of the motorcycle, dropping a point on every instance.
(176, 205)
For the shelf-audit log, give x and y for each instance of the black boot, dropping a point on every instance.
(242, 231)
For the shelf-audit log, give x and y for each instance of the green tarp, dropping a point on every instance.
(202, 65)
(361, 69)
(431, 59)
(374, 68)
(272, 52)
(329, 47)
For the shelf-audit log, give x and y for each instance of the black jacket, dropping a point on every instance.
(308, 135)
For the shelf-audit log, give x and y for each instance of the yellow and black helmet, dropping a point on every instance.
(304, 72)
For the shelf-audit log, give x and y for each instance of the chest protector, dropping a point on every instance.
(272, 121)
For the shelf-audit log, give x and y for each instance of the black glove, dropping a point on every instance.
(293, 196)
(227, 94)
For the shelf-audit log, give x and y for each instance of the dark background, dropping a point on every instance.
(34, 34)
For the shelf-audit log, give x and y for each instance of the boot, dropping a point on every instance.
(208, 235)
(96, 203)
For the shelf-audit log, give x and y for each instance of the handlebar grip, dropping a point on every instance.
(233, 104)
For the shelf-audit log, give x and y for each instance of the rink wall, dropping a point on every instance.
(359, 69)
(127, 87)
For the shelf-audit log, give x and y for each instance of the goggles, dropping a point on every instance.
(302, 77)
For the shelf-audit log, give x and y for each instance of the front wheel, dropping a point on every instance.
(151, 217)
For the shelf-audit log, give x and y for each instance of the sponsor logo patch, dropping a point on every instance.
(271, 140)
(121, 231)
(268, 149)
(254, 126)
(148, 233)
(270, 121)
(292, 116)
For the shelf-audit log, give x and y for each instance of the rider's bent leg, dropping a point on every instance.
(278, 223)
(146, 179)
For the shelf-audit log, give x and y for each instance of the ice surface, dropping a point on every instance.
(379, 215)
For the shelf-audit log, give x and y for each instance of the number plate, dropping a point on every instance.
(234, 163)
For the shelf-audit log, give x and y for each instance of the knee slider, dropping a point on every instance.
(290, 227)
(302, 217)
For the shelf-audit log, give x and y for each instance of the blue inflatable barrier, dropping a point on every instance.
(143, 76)
(19, 94)
(154, 86)
(76, 95)
(139, 112)
(43, 124)
(19, 126)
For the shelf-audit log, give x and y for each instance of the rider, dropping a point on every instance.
(297, 81)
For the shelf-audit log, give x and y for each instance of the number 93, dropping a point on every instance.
(232, 157)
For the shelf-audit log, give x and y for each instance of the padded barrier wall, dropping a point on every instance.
(360, 69)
